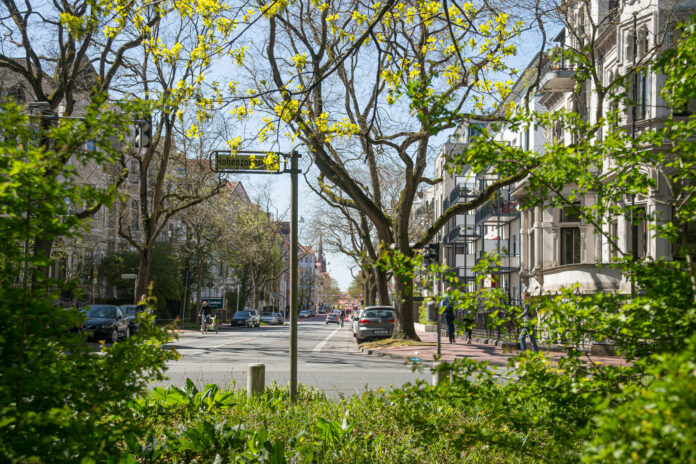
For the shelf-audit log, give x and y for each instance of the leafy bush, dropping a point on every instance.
(61, 400)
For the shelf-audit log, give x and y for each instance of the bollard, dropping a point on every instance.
(256, 378)
(439, 376)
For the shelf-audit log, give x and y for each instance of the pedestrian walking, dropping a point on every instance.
(528, 329)
(468, 325)
(448, 304)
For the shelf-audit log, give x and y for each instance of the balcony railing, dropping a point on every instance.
(462, 233)
(462, 273)
(560, 77)
(465, 192)
(494, 211)
(507, 263)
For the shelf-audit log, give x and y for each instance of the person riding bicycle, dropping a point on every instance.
(206, 311)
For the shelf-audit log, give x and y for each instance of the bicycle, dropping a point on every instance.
(205, 322)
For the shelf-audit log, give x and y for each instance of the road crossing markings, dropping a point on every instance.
(322, 343)
(233, 341)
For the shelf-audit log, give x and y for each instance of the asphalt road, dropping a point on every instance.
(328, 359)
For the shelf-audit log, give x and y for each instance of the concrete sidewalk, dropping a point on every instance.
(476, 351)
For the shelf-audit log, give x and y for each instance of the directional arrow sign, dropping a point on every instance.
(239, 162)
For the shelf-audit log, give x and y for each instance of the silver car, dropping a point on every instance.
(256, 317)
(374, 322)
(269, 318)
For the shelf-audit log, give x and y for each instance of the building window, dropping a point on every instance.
(570, 245)
(614, 235)
(639, 234)
(532, 257)
(474, 130)
(133, 172)
(135, 210)
(641, 96)
(571, 213)
(526, 138)
(514, 245)
(685, 110)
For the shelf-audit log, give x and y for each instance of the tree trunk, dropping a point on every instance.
(367, 289)
(255, 296)
(373, 295)
(381, 286)
(199, 285)
(42, 249)
(144, 273)
(403, 301)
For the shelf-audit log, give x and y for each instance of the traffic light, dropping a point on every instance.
(143, 133)
(431, 253)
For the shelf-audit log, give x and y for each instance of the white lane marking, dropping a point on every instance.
(230, 342)
(322, 343)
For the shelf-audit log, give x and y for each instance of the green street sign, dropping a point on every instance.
(243, 163)
(214, 303)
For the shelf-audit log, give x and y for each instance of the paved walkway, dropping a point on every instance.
(476, 351)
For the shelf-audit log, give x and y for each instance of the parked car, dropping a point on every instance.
(269, 318)
(306, 313)
(354, 318)
(256, 316)
(72, 322)
(375, 322)
(280, 317)
(333, 318)
(131, 312)
(243, 318)
(106, 322)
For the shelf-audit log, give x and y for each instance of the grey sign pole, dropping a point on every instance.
(293, 274)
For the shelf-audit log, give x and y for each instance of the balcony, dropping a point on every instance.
(462, 233)
(465, 192)
(507, 263)
(492, 212)
(559, 78)
(464, 274)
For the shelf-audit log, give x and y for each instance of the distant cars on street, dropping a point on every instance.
(306, 313)
(269, 318)
(106, 322)
(280, 317)
(243, 319)
(333, 318)
(256, 316)
(374, 322)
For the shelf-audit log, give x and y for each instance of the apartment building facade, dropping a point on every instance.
(544, 249)
(559, 247)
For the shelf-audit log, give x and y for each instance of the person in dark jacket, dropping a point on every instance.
(206, 311)
(448, 304)
(528, 329)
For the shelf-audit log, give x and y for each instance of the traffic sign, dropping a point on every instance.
(214, 303)
(227, 162)
(129, 276)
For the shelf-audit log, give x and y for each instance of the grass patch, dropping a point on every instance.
(390, 342)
